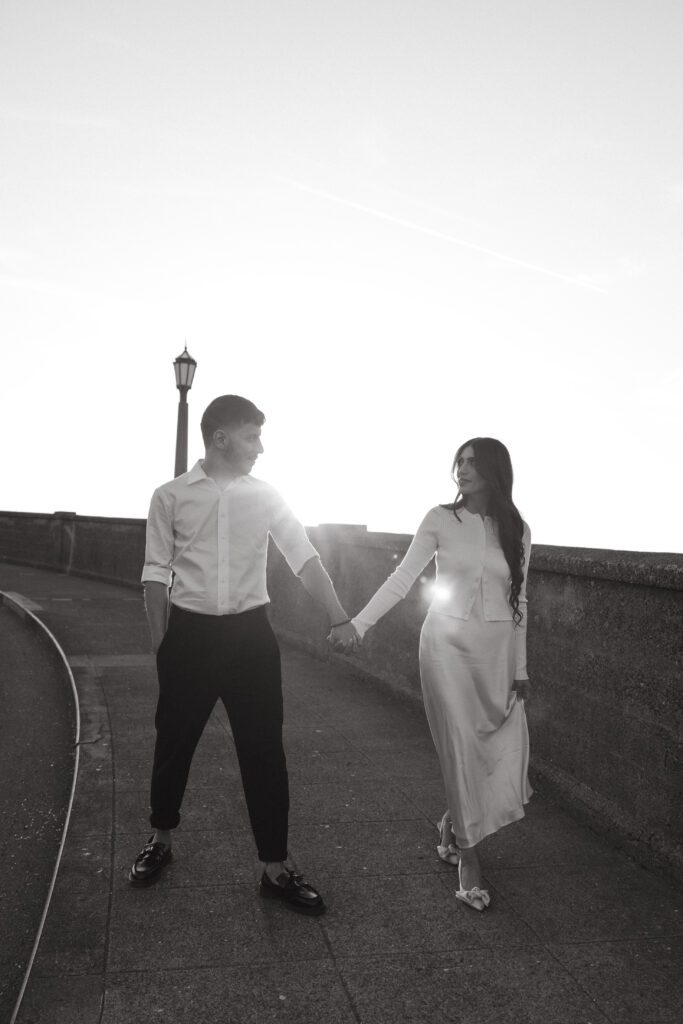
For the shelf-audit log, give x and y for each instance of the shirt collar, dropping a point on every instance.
(196, 473)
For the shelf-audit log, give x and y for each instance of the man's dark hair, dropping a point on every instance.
(229, 411)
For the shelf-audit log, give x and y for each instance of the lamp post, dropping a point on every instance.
(184, 367)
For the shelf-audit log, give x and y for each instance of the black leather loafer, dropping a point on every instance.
(149, 862)
(292, 890)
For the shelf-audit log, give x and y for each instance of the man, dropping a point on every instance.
(212, 638)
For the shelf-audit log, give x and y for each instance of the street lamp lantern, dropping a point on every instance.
(184, 366)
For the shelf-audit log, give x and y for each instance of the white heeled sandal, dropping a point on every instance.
(478, 899)
(447, 851)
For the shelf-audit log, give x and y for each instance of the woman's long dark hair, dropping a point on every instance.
(493, 464)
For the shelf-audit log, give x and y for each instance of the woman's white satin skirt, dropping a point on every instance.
(479, 728)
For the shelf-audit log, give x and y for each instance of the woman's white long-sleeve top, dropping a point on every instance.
(469, 561)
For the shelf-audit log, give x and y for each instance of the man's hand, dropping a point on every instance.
(156, 606)
(522, 687)
(344, 638)
(156, 642)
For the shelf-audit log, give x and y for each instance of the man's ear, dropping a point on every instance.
(221, 439)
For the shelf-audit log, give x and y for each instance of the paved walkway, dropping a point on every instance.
(577, 933)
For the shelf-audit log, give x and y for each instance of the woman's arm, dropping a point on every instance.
(421, 550)
(521, 675)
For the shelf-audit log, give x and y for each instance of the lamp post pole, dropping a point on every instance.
(184, 367)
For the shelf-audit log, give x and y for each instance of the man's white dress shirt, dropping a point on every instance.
(215, 541)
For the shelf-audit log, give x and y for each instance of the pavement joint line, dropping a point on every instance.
(577, 981)
(409, 954)
(342, 980)
(112, 660)
(640, 939)
(95, 739)
(219, 965)
(547, 946)
(26, 612)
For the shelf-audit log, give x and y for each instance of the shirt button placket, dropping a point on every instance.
(223, 560)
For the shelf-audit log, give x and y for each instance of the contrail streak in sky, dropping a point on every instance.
(411, 225)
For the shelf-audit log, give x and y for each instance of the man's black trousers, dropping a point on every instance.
(235, 658)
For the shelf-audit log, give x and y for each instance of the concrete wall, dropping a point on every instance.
(605, 655)
(109, 549)
(606, 652)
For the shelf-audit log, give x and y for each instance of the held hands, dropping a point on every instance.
(522, 687)
(344, 638)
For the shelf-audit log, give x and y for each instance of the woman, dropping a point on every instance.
(472, 653)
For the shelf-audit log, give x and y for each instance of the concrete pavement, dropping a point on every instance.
(577, 933)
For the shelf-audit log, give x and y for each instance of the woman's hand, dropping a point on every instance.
(522, 687)
(344, 638)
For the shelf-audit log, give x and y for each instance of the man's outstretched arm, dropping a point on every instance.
(319, 586)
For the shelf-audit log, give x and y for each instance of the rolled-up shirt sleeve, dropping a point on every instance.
(290, 536)
(520, 630)
(159, 546)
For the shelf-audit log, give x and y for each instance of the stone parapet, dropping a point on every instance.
(646, 568)
(96, 546)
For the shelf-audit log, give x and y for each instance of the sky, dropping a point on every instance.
(393, 225)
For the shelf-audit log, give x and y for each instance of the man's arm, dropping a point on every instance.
(156, 573)
(290, 536)
(319, 586)
(156, 606)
